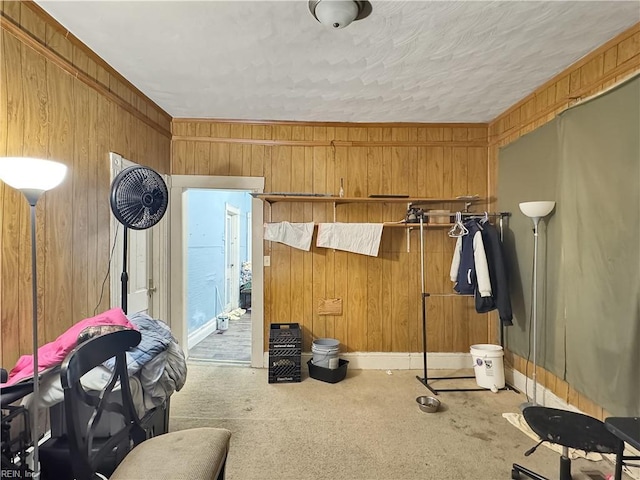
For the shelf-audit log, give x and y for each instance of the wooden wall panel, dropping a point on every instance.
(18, 209)
(381, 296)
(59, 101)
(613, 62)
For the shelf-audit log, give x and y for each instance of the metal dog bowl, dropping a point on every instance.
(428, 404)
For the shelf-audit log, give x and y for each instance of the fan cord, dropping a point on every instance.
(104, 281)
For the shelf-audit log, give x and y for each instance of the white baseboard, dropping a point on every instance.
(202, 332)
(399, 361)
(544, 396)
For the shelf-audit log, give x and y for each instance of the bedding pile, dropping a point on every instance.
(157, 365)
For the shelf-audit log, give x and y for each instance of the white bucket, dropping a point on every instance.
(488, 365)
(325, 353)
(223, 322)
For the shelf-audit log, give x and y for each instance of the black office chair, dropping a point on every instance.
(571, 430)
(83, 450)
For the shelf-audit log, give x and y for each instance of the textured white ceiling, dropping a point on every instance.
(409, 61)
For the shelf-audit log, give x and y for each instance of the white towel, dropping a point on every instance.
(296, 235)
(361, 238)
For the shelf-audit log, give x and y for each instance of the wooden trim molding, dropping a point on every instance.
(330, 143)
(332, 124)
(27, 39)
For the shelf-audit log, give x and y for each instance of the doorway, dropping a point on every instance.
(212, 220)
(218, 327)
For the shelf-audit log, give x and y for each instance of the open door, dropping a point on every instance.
(232, 256)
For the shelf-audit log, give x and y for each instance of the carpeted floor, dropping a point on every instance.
(366, 427)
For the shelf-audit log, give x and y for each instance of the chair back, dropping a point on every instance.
(90, 452)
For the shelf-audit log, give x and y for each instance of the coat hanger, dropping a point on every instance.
(458, 229)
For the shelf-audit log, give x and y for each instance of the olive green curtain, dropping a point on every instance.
(588, 161)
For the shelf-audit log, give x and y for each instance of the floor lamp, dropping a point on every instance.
(33, 177)
(535, 211)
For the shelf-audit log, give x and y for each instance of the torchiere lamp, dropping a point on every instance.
(33, 177)
(535, 211)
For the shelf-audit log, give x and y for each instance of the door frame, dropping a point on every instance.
(180, 183)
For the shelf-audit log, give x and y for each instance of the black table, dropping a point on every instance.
(626, 429)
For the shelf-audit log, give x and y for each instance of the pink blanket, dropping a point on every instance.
(53, 353)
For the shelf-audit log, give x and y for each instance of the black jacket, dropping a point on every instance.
(498, 276)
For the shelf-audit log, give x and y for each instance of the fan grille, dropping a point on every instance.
(139, 197)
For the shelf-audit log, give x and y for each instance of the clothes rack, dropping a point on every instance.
(425, 379)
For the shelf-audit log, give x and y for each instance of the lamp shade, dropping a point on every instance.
(31, 174)
(537, 209)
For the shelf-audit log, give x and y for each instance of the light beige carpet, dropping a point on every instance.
(366, 427)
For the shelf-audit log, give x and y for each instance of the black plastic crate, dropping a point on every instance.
(285, 352)
(285, 336)
(284, 369)
(285, 378)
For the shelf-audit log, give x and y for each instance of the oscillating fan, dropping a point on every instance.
(139, 199)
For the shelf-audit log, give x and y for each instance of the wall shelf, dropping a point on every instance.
(466, 200)
(290, 197)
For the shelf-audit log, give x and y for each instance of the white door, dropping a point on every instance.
(232, 257)
(139, 255)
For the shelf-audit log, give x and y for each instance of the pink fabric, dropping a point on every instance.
(53, 353)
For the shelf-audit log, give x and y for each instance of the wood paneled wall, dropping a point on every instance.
(61, 102)
(611, 63)
(382, 309)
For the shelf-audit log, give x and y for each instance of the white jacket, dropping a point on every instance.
(480, 263)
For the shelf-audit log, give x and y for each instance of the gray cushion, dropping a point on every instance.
(192, 454)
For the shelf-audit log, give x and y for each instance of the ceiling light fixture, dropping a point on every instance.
(339, 13)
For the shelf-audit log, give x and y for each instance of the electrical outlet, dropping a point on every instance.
(267, 261)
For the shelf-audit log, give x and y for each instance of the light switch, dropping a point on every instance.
(267, 261)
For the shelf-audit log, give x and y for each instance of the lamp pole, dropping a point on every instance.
(33, 195)
(536, 220)
(36, 378)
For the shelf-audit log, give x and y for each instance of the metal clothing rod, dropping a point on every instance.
(449, 295)
(467, 214)
(425, 379)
